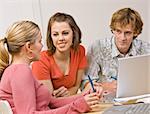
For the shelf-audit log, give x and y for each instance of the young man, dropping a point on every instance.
(126, 24)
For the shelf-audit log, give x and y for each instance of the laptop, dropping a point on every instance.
(133, 82)
(133, 76)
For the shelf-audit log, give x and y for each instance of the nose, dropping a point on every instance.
(61, 37)
(123, 36)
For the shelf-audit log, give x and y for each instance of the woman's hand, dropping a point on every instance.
(97, 87)
(61, 92)
(92, 99)
(102, 89)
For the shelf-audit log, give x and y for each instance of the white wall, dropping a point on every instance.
(15, 10)
(148, 19)
(149, 32)
(92, 16)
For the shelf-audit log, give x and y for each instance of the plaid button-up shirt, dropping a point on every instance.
(103, 58)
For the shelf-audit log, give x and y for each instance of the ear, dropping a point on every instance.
(135, 35)
(112, 31)
(28, 46)
(29, 50)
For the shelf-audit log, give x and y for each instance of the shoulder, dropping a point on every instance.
(21, 77)
(24, 69)
(80, 52)
(138, 41)
(44, 63)
(20, 72)
(81, 48)
(19, 67)
(140, 44)
(44, 54)
(45, 57)
(100, 45)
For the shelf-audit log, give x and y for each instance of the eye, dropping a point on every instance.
(128, 33)
(65, 33)
(40, 41)
(55, 34)
(118, 31)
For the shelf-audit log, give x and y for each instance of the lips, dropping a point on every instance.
(123, 43)
(61, 45)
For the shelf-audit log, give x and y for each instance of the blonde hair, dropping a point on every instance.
(127, 16)
(16, 36)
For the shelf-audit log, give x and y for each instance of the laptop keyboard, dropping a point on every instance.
(141, 108)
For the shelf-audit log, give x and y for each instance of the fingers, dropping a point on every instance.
(99, 90)
(94, 106)
(65, 94)
(61, 92)
(96, 83)
(92, 99)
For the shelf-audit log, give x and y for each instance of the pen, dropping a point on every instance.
(91, 82)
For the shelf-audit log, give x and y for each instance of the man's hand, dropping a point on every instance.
(109, 87)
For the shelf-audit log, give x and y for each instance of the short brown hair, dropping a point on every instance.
(127, 16)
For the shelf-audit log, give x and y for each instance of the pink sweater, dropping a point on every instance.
(27, 96)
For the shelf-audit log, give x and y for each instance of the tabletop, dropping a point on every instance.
(100, 109)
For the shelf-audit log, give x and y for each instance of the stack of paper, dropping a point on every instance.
(132, 100)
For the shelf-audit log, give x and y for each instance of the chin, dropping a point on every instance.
(63, 50)
(35, 59)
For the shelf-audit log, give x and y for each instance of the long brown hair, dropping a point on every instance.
(62, 17)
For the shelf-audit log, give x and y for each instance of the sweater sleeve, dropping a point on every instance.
(24, 97)
(23, 90)
(76, 107)
(58, 102)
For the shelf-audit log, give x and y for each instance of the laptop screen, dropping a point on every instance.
(133, 76)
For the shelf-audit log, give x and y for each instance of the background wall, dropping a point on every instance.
(92, 16)
(15, 10)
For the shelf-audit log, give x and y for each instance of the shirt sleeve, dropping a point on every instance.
(41, 69)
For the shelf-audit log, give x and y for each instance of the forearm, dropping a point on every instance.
(61, 101)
